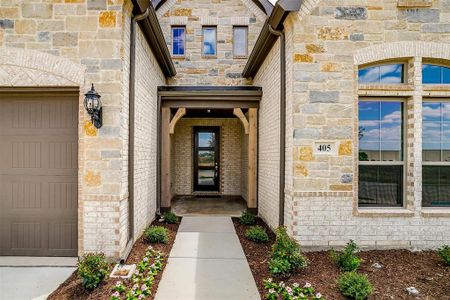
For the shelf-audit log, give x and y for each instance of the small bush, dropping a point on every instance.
(93, 269)
(355, 286)
(257, 234)
(346, 259)
(247, 218)
(156, 234)
(171, 218)
(444, 253)
(286, 257)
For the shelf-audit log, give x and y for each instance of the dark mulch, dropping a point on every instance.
(401, 269)
(73, 289)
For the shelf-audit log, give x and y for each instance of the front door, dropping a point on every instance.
(206, 159)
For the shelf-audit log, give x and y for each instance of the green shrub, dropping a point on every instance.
(170, 218)
(444, 253)
(257, 234)
(346, 259)
(156, 234)
(286, 257)
(355, 286)
(247, 218)
(93, 269)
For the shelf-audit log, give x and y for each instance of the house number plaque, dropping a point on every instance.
(325, 148)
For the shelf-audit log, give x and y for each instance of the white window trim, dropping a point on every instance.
(171, 34)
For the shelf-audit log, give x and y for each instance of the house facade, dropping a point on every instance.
(331, 119)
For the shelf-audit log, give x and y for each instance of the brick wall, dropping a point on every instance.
(330, 41)
(224, 69)
(268, 78)
(148, 78)
(230, 155)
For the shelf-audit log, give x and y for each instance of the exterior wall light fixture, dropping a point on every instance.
(93, 106)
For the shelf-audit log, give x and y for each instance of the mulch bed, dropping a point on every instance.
(401, 269)
(73, 289)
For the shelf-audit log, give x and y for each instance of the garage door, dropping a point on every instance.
(38, 175)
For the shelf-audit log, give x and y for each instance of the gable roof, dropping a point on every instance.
(266, 40)
(154, 36)
(264, 5)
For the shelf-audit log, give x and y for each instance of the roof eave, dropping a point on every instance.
(266, 40)
(154, 36)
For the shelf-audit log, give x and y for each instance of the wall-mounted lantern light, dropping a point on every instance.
(93, 106)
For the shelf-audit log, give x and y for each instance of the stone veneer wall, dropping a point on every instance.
(76, 43)
(230, 154)
(330, 41)
(224, 69)
(268, 78)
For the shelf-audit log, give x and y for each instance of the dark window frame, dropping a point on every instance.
(380, 163)
(246, 41)
(379, 66)
(216, 130)
(437, 164)
(441, 67)
(203, 41)
(184, 41)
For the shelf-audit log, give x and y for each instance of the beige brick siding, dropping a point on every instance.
(230, 155)
(148, 78)
(268, 78)
(224, 69)
(328, 47)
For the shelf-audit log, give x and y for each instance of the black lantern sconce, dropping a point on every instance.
(93, 106)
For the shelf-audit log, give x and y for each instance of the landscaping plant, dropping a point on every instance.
(156, 234)
(444, 253)
(346, 259)
(286, 257)
(93, 269)
(170, 218)
(257, 234)
(247, 218)
(282, 291)
(355, 286)
(142, 279)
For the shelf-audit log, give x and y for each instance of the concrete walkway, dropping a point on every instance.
(17, 283)
(207, 262)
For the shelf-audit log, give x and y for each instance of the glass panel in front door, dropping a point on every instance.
(206, 156)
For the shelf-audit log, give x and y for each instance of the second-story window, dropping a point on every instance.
(209, 41)
(178, 40)
(240, 41)
(384, 74)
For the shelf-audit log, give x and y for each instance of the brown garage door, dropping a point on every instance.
(38, 175)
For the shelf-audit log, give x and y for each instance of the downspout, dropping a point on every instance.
(131, 118)
(282, 181)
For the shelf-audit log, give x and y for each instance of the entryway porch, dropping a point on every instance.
(208, 149)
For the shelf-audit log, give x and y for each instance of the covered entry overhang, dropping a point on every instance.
(176, 102)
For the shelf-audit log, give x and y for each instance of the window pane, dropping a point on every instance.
(445, 75)
(369, 75)
(206, 177)
(431, 74)
(209, 41)
(240, 41)
(206, 139)
(446, 151)
(380, 186)
(178, 40)
(431, 111)
(206, 158)
(436, 186)
(391, 74)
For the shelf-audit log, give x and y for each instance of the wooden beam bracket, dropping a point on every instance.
(238, 113)
(180, 113)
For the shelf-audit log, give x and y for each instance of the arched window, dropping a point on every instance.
(382, 74)
(435, 74)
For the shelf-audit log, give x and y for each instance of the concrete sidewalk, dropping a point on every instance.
(207, 262)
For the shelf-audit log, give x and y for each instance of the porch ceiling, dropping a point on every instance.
(210, 96)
